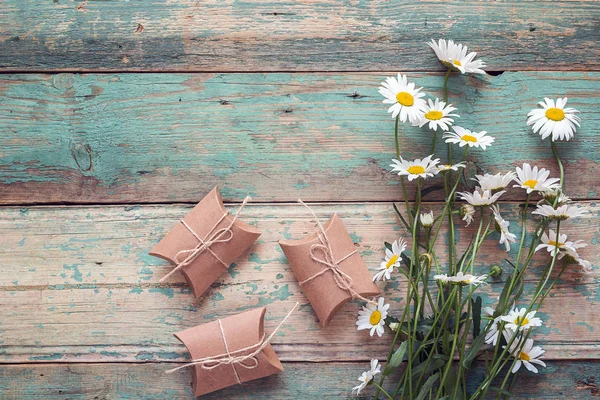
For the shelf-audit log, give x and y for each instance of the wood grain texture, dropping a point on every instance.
(77, 285)
(561, 379)
(263, 35)
(131, 138)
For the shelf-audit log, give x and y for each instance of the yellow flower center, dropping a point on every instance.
(469, 138)
(553, 243)
(522, 321)
(530, 183)
(555, 114)
(434, 115)
(406, 99)
(524, 356)
(375, 317)
(392, 261)
(416, 169)
(456, 62)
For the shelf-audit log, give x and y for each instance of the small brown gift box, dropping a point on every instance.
(206, 241)
(322, 285)
(236, 336)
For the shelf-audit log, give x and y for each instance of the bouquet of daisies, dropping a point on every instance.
(444, 328)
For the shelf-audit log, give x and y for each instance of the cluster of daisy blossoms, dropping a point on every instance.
(508, 328)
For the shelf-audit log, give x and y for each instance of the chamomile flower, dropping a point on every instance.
(426, 219)
(553, 244)
(531, 179)
(450, 167)
(437, 115)
(461, 279)
(571, 257)
(518, 320)
(491, 337)
(372, 316)
(466, 212)
(502, 225)
(552, 195)
(406, 100)
(464, 137)
(480, 198)
(417, 168)
(392, 260)
(560, 213)
(367, 376)
(454, 55)
(554, 119)
(495, 182)
(526, 354)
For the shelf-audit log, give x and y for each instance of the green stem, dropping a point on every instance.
(560, 165)
(451, 354)
(396, 136)
(379, 388)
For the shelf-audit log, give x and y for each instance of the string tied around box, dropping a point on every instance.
(235, 357)
(341, 279)
(222, 235)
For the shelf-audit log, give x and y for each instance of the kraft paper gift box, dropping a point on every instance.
(322, 286)
(208, 220)
(237, 336)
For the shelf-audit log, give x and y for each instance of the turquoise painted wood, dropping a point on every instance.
(79, 281)
(268, 35)
(574, 380)
(147, 138)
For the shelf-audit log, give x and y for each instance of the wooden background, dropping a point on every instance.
(116, 117)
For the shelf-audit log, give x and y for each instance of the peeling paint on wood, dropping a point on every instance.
(86, 290)
(260, 35)
(170, 137)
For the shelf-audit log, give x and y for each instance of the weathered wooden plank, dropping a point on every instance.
(259, 35)
(561, 379)
(86, 290)
(323, 137)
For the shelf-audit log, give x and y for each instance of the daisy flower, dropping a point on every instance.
(480, 197)
(502, 225)
(465, 137)
(405, 99)
(372, 316)
(491, 337)
(571, 257)
(417, 168)
(454, 55)
(461, 279)
(554, 119)
(466, 212)
(426, 219)
(450, 167)
(561, 213)
(518, 320)
(495, 182)
(437, 114)
(553, 244)
(392, 260)
(532, 179)
(555, 195)
(367, 376)
(526, 354)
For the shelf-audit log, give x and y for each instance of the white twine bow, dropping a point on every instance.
(222, 235)
(341, 279)
(230, 357)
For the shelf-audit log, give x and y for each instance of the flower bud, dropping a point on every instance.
(495, 271)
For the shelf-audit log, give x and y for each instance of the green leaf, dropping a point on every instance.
(436, 361)
(388, 246)
(473, 351)
(406, 225)
(406, 257)
(504, 392)
(398, 355)
(476, 316)
(427, 386)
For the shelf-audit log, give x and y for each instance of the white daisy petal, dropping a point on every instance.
(554, 119)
